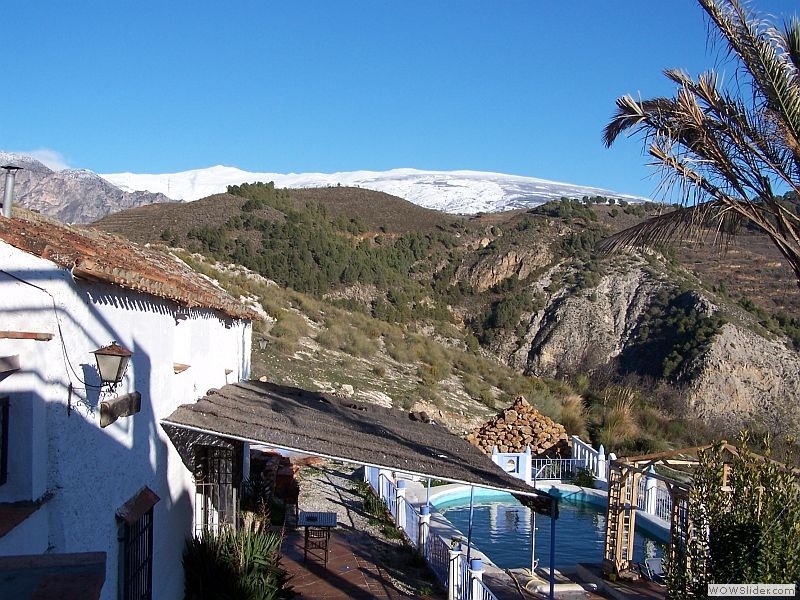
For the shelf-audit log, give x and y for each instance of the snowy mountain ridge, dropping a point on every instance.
(455, 192)
(461, 192)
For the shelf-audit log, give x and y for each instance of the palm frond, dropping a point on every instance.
(701, 221)
(726, 151)
(769, 58)
(791, 33)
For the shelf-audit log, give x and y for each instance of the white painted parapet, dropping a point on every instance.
(515, 463)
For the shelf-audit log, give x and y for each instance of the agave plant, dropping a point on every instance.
(235, 565)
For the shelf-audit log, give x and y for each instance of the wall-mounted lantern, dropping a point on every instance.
(181, 314)
(262, 343)
(112, 361)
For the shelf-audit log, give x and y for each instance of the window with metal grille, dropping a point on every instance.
(136, 557)
(3, 440)
(216, 480)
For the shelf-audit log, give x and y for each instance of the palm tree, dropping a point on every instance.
(726, 149)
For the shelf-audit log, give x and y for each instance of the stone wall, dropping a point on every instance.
(519, 426)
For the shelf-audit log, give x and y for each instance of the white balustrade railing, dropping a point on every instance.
(641, 494)
(522, 466)
(464, 581)
(654, 498)
(561, 469)
(594, 460)
(437, 553)
(459, 581)
(389, 496)
(663, 504)
(412, 523)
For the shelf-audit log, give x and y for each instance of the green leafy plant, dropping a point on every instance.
(584, 478)
(235, 565)
(373, 505)
(744, 523)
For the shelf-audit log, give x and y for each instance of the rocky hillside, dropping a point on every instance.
(643, 316)
(745, 378)
(525, 287)
(740, 376)
(71, 196)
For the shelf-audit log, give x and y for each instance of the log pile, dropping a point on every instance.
(519, 426)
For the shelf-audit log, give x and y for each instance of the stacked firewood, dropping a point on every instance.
(519, 426)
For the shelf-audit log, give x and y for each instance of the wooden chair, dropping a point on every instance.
(317, 538)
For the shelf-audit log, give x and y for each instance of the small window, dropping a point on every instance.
(138, 559)
(3, 440)
(137, 545)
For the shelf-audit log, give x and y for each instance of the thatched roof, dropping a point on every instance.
(324, 425)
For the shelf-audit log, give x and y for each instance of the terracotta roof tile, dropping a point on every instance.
(95, 255)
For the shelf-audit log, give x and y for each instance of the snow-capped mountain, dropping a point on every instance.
(70, 195)
(82, 196)
(463, 192)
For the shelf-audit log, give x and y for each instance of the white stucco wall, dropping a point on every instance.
(90, 472)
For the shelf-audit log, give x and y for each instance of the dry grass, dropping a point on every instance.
(618, 425)
(573, 416)
(290, 326)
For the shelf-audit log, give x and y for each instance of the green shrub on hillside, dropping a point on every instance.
(290, 326)
(779, 323)
(567, 209)
(503, 314)
(670, 335)
(311, 251)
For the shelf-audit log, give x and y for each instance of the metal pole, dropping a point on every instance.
(533, 541)
(469, 531)
(428, 495)
(552, 549)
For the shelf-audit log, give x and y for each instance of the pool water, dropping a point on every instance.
(501, 529)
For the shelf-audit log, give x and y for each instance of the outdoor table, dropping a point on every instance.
(318, 527)
(316, 519)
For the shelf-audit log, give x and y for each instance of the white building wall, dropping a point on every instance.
(87, 471)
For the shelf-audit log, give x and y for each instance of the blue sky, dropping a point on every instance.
(513, 86)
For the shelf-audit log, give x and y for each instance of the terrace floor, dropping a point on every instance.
(350, 572)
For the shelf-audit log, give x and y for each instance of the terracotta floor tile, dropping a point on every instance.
(347, 576)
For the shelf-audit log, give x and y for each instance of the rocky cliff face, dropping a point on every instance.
(71, 196)
(741, 378)
(490, 269)
(579, 332)
(495, 259)
(745, 379)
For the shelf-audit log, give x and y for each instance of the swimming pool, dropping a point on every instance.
(501, 529)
